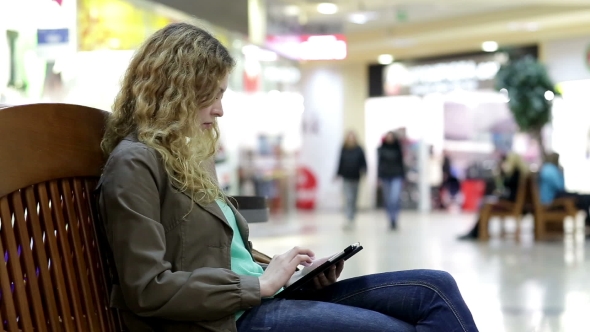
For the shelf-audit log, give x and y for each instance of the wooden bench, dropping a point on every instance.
(53, 274)
(56, 270)
(553, 214)
(504, 209)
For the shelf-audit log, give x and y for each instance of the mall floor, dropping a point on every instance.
(511, 286)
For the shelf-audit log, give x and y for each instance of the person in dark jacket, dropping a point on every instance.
(350, 168)
(391, 172)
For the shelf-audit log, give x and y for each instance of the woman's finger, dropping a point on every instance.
(301, 259)
(339, 268)
(323, 279)
(316, 283)
(298, 251)
(331, 275)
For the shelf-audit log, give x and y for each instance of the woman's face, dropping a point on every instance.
(350, 139)
(207, 115)
(505, 167)
(389, 138)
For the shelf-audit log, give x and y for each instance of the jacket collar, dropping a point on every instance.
(242, 223)
(215, 210)
(131, 137)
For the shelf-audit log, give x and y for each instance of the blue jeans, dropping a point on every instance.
(351, 189)
(392, 189)
(405, 301)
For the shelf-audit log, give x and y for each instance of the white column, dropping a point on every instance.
(323, 92)
(257, 21)
(356, 88)
(423, 180)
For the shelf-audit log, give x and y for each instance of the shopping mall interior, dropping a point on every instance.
(450, 135)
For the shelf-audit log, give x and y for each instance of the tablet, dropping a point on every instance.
(307, 274)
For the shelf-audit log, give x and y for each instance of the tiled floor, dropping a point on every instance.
(509, 286)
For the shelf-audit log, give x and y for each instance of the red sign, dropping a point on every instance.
(306, 188)
(309, 47)
(59, 1)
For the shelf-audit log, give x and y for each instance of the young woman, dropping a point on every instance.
(351, 166)
(181, 249)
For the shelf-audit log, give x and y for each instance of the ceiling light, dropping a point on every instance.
(327, 8)
(291, 10)
(531, 26)
(505, 95)
(358, 18)
(361, 18)
(385, 59)
(489, 46)
(549, 95)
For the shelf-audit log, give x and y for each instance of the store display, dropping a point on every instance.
(261, 172)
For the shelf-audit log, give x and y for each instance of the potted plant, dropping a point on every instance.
(530, 91)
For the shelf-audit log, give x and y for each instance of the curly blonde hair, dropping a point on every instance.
(173, 75)
(515, 162)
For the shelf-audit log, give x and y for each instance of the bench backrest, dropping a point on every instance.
(535, 194)
(54, 270)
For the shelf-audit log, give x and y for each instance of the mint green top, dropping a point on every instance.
(241, 260)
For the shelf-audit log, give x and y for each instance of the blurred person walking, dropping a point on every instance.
(450, 188)
(391, 171)
(351, 166)
(435, 177)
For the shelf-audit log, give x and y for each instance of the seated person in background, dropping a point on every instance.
(181, 249)
(511, 169)
(552, 186)
(551, 180)
(451, 186)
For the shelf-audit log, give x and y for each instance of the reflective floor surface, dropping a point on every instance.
(511, 286)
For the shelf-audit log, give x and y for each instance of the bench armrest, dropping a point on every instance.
(260, 257)
(566, 203)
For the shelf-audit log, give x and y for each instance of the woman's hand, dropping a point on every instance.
(329, 276)
(281, 268)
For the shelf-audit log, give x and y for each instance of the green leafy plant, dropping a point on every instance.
(527, 83)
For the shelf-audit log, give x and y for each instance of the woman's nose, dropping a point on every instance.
(217, 111)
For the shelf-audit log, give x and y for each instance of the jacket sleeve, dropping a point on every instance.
(130, 208)
(558, 181)
(379, 162)
(339, 172)
(402, 156)
(511, 184)
(363, 163)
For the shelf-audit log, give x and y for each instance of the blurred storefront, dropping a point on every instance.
(568, 62)
(89, 44)
(76, 51)
(261, 138)
(448, 108)
(35, 37)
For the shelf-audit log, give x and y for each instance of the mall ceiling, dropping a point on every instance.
(229, 14)
(423, 28)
